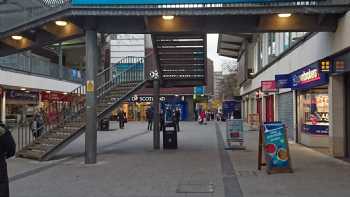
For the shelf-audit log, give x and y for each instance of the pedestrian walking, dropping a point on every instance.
(121, 118)
(177, 115)
(162, 120)
(7, 150)
(149, 117)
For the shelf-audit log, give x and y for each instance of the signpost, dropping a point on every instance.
(234, 133)
(273, 142)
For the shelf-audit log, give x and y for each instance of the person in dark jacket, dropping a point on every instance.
(177, 115)
(7, 150)
(162, 121)
(149, 117)
(121, 118)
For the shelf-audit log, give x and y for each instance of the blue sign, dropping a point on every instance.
(283, 81)
(308, 77)
(199, 90)
(276, 145)
(316, 129)
(130, 2)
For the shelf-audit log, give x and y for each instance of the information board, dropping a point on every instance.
(275, 147)
(234, 132)
(131, 2)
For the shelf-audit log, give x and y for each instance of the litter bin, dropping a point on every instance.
(169, 136)
(104, 124)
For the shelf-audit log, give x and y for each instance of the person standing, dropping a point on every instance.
(177, 115)
(7, 150)
(162, 121)
(121, 118)
(149, 117)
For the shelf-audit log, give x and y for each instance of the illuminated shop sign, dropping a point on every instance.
(131, 2)
(137, 98)
(309, 76)
(304, 78)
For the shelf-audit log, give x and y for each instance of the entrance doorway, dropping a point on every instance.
(269, 109)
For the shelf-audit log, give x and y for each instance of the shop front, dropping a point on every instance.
(311, 86)
(137, 105)
(20, 106)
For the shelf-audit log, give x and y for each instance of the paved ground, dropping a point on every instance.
(129, 167)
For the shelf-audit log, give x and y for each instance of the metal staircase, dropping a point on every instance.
(71, 120)
(182, 59)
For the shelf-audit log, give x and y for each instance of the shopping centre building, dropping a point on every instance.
(299, 79)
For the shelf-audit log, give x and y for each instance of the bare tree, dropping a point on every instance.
(229, 66)
(231, 86)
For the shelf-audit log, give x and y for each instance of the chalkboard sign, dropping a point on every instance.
(274, 144)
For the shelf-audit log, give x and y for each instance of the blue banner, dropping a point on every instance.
(199, 90)
(283, 81)
(276, 145)
(130, 2)
(308, 77)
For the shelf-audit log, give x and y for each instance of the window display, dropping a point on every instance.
(316, 113)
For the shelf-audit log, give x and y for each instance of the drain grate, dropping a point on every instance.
(195, 188)
(246, 173)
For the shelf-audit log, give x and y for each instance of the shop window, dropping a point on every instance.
(316, 113)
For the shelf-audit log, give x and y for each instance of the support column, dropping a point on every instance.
(336, 94)
(60, 61)
(156, 133)
(3, 107)
(91, 114)
(275, 106)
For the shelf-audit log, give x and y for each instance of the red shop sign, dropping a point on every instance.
(268, 86)
(54, 96)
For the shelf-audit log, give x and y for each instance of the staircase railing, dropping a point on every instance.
(72, 106)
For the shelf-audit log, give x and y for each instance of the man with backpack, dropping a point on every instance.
(7, 150)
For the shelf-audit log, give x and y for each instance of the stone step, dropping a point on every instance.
(30, 154)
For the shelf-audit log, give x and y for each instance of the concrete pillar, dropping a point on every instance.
(156, 133)
(60, 61)
(91, 126)
(190, 107)
(336, 94)
(3, 107)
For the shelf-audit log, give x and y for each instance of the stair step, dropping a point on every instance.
(30, 154)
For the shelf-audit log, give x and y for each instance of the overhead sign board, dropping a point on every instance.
(308, 77)
(140, 2)
(268, 86)
(282, 81)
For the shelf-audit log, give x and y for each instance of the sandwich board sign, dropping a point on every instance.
(273, 142)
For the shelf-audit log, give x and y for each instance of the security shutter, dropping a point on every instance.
(285, 112)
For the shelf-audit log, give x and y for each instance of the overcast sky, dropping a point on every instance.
(212, 43)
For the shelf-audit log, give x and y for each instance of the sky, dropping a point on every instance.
(212, 43)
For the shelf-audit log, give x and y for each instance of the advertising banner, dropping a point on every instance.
(308, 77)
(268, 86)
(131, 2)
(234, 133)
(283, 81)
(276, 146)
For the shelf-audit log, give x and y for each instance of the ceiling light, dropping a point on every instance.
(169, 17)
(23, 89)
(27, 91)
(61, 23)
(48, 92)
(65, 93)
(17, 37)
(284, 15)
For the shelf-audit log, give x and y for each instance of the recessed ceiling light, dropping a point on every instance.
(284, 15)
(15, 37)
(48, 92)
(23, 89)
(61, 23)
(169, 17)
